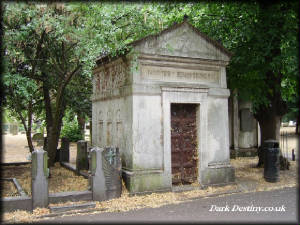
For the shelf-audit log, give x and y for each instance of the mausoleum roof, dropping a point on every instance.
(107, 57)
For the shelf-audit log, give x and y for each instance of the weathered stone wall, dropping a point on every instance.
(182, 42)
(248, 137)
(112, 108)
(109, 80)
(147, 132)
(218, 129)
(112, 121)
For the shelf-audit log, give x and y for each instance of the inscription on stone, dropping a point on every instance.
(179, 75)
(110, 78)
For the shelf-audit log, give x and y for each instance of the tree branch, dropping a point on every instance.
(70, 75)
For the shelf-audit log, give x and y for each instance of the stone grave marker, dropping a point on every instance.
(64, 151)
(82, 156)
(106, 181)
(39, 181)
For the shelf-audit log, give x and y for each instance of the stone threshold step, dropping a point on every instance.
(57, 209)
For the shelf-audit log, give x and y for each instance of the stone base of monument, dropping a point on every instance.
(143, 182)
(247, 152)
(243, 152)
(217, 174)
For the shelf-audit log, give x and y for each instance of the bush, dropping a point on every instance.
(71, 131)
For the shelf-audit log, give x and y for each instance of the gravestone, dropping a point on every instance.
(246, 120)
(249, 132)
(97, 175)
(39, 181)
(112, 170)
(82, 162)
(64, 151)
(106, 181)
(13, 129)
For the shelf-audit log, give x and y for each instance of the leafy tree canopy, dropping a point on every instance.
(51, 48)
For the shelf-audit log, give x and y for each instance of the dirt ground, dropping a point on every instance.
(15, 149)
(61, 180)
(248, 178)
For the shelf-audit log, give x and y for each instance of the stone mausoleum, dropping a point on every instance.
(165, 105)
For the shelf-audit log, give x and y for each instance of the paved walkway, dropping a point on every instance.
(275, 206)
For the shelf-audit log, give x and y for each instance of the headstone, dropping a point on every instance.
(235, 123)
(112, 171)
(106, 179)
(14, 129)
(293, 155)
(5, 128)
(64, 150)
(39, 180)
(246, 120)
(82, 156)
(97, 179)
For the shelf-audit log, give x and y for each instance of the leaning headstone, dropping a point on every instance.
(82, 156)
(64, 150)
(39, 179)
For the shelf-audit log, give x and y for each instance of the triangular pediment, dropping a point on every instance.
(183, 40)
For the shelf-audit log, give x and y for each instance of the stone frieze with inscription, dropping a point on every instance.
(168, 74)
(109, 78)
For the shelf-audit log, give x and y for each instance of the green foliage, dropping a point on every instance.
(263, 38)
(7, 117)
(46, 43)
(71, 130)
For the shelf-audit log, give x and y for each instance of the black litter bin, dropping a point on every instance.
(271, 160)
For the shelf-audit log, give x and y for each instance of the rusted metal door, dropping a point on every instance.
(183, 143)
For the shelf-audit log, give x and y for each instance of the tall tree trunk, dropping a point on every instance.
(269, 115)
(53, 138)
(53, 123)
(81, 123)
(297, 125)
(269, 120)
(49, 116)
(54, 115)
(270, 127)
(91, 131)
(29, 126)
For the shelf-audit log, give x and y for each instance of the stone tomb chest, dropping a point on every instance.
(165, 105)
